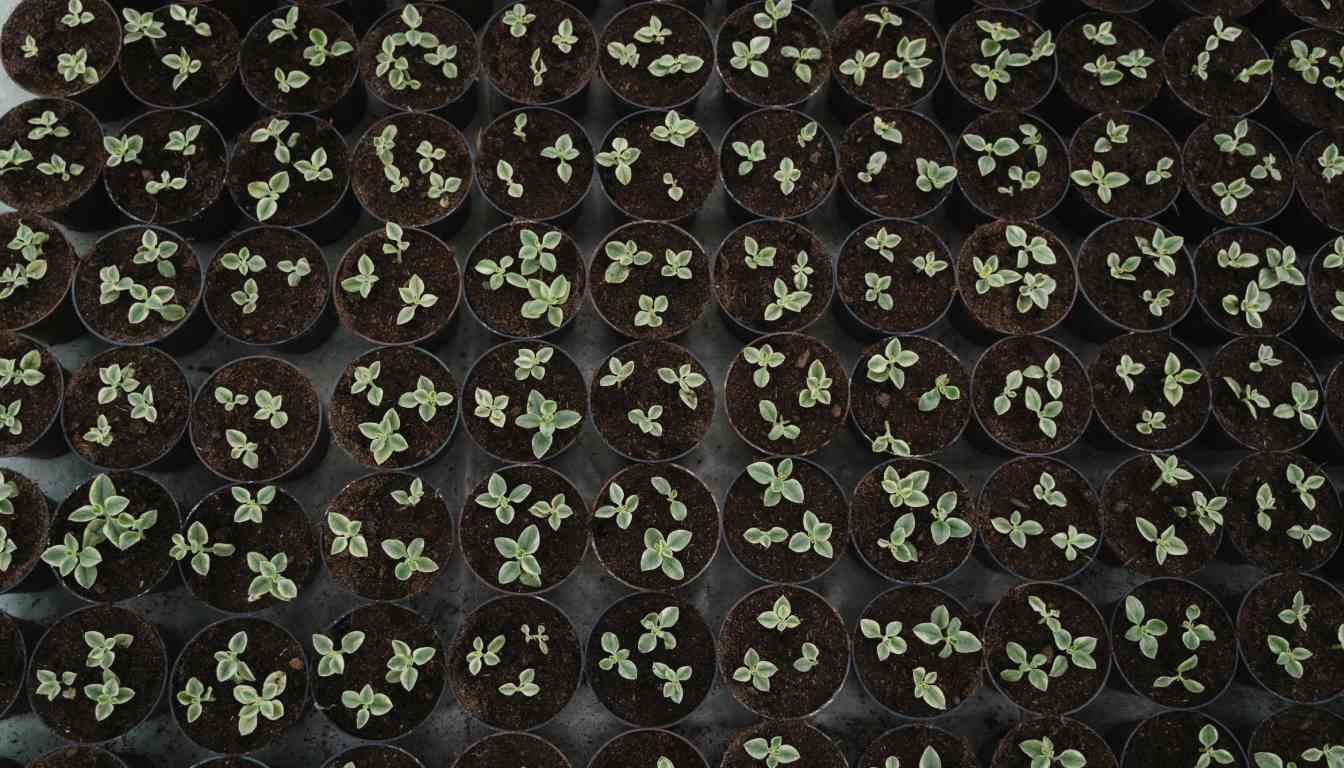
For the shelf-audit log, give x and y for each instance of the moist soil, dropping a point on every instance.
(854, 33)
(888, 680)
(545, 194)
(1206, 165)
(507, 60)
(873, 516)
(636, 84)
(1216, 281)
(12, 665)
(995, 193)
(618, 303)
(646, 196)
(781, 87)
(560, 550)
(285, 311)
(683, 427)
(1147, 143)
(279, 451)
(269, 649)
(1121, 408)
(820, 750)
(1294, 729)
(150, 81)
(305, 202)
(1012, 489)
(1312, 12)
(744, 292)
(328, 83)
(435, 90)
(1118, 6)
(892, 193)
(204, 169)
(1063, 732)
(877, 407)
(1029, 85)
(641, 701)
(500, 309)
(1310, 103)
(1273, 550)
(1174, 736)
(1322, 286)
(1012, 620)
(283, 529)
(792, 693)
(376, 756)
(1219, 93)
(509, 749)
(620, 550)
(635, 747)
(39, 298)
(381, 624)
(1121, 301)
(907, 743)
(924, 299)
(369, 501)
(758, 191)
(1019, 429)
(1167, 600)
(135, 442)
(1321, 197)
(123, 574)
(77, 757)
(100, 38)
(30, 190)
(495, 372)
(1084, 88)
(376, 317)
(1128, 494)
(1268, 432)
(556, 670)
(117, 249)
(1228, 8)
(401, 369)
(817, 424)
(412, 206)
(142, 668)
(745, 508)
(996, 309)
(38, 404)
(27, 528)
(1258, 618)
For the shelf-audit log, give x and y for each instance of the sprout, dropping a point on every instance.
(780, 427)
(647, 421)
(625, 54)
(332, 660)
(102, 649)
(926, 689)
(878, 287)
(1165, 544)
(517, 18)
(197, 544)
(1228, 193)
(1145, 633)
(1248, 395)
(1304, 400)
(686, 380)
(619, 372)
(1287, 656)
(547, 300)
(1161, 172)
(366, 703)
(491, 407)
(1207, 512)
(1297, 613)
(194, 696)
(1072, 541)
(755, 670)
(890, 365)
(250, 508)
(346, 536)
(270, 580)
(788, 175)
(1208, 751)
(504, 172)
(401, 668)
(531, 363)
(562, 151)
(1016, 529)
(929, 175)
(70, 557)
(669, 64)
(267, 194)
(857, 66)
(764, 358)
(1030, 668)
(748, 56)
(617, 658)
(482, 655)
(524, 686)
(265, 703)
(107, 695)
(622, 157)
(815, 537)
(1042, 754)
(52, 685)
(780, 617)
(184, 66)
(675, 130)
(1195, 633)
(520, 562)
(75, 66)
(229, 667)
(413, 295)
(650, 311)
(1105, 181)
(425, 399)
(1308, 536)
(385, 438)
(942, 628)
(410, 558)
(545, 417)
(750, 153)
(241, 448)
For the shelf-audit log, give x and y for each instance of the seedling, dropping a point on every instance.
(748, 56)
(650, 311)
(332, 661)
(622, 157)
(1195, 633)
(1248, 396)
(944, 629)
(367, 703)
(555, 512)
(347, 536)
(385, 438)
(526, 685)
(1287, 656)
(250, 508)
(660, 552)
(263, 704)
(520, 562)
(1304, 401)
(51, 685)
(491, 407)
(1016, 529)
(1104, 181)
(194, 697)
(780, 617)
(888, 637)
(1042, 754)
(929, 175)
(1029, 668)
(818, 386)
(686, 381)
(410, 557)
(857, 66)
(531, 363)
(197, 544)
(545, 416)
(617, 658)
(229, 666)
(672, 690)
(562, 151)
(780, 427)
(788, 175)
(108, 695)
(1296, 613)
(401, 668)
(618, 372)
(1143, 631)
(675, 130)
(815, 537)
(756, 671)
(270, 580)
(1165, 544)
(504, 172)
(482, 655)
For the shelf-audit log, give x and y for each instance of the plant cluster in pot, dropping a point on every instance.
(877, 155)
(903, 549)
(915, 383)
(126, 408)
(661, 554)
(1238, 171)
(867, 272)
(1039, 518)
(1288, 632)
(772, 276)
(652, 400)
(890, 57)
(1216, 67)
(1283, 512)
(25, 518)
(529, 398)
(772, 54)
(32, 394)
(386, 536)
(1249, 281)
(407, 293)
(1029, 289)
(1000, 60)
(512, 747)
(294, 171)
(645, 264)
(55, 174)
(1150, 391)
(37, 266)
(58, 49)
(1270, 398)
(793, 504)
(921, 745)
(1061, 740)
(1160, 516)
(1311, 74)
(1031, 395)
(657, 56)
(783, 164)
(258, 419)
(783, 741)
(1295, 732)
(1325, 288)
(1319, 163)
(1012, 165)
(1182, 737)
(537, 164)
(422, 58)
(1106, 62)
(658, 166)
(300, 59)
(1137, 275)
(188, 60)
(636, 746)
(394, 407)
(139, 285)
(525, 279)
(268, 286)
(786, 394)
(413, 169)
(1125, 165)
(544, 52)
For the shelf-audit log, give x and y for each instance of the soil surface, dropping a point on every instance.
(924, 298)
(40, 298)
(1075, 52)
(637, 84)
(661, 168)
(997, 193)
(27, 528)
(907, 743)
(1206, 165)
(149, 80)
(136, 442)
(1063, 732)
(544, 194)
(305, 201)
(38, 403)
(880, 408)
(1013, 488)
(873, 517)
(400, 371)
(495, 374)
(781, 133)
(745, 508)
(100, 38)
(687, 289)
(117, 249)
(507, 59)
(1219, 93)
(1133, 491)
(435, 89)
(782, 85)
(1146, 144)
(326, 85)
(1274, 550)
(28, 189)
(681, 426)
(892, 192)
(1168, 600)
(1321, 196)
(1259, 617)
(1264, 431)
(788, 388)
(279, 450)
(1019, 428)
(417, 204)
(285, 310)
(203, 165)
(695, 511)
(1312, 103)
(744, 291)
(1029, 84)
(996, 309)
(1121, 301)
(378, 317)
(370, 501)
(1122, 407)
(1219, 280)
(855, 33)
(499, 304)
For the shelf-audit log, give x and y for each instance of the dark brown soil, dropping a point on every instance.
(556, 670)
(687, 289)
(377, 317)
(637, 85)
(1148, 142)
(500, 309)
(1019, 428)
(560, 549)
(879, 407)
(635, 746)
(117, 249)
(1322, 197)
(285, 311)
(369, 501)
(1121, 301)
(1121, 408)
(1216, 281)
(100, 38)
(1322, 284)
(545, 195)
(924, 299)
(1206, 165)
(1310, 103)
(278, 450)
(507, 748)
(39, 298)
(1128, 494)
(16, 657)
(854, 33)
(149, 80)
(893, 192)
(745, 292)
(996, 309)
(495, 372)
(269, 649)
(284, 528)
(996, 193)
(692, 168)
(376, 756)
(641, 701)
(123, 574)
(1220, 93)
(401, 370)
(1316, 14)
(1228, 8)
(507, 60)
(306, 201)
(778, 130)
(908, 742)
(1258, 618)
(27, 528)
(78, 757)
(204, 169)
(29, 190)
(135, 442)
(620, 550)
(1268, 432)
(820, 751)
(1294, 729)
(141, 667)
(1063, 732)
(412, 206)
(329, 83)
(745, 508)
(872, 517)
(792, 693)
(1334, 397)
(1085, 88)
(683, 427)
(1012, 489)
(1273, 550)
(1029, 84)
(781, 86)
(435, 90)
(1118, 6)
(1013, 620)
(817, 424)
(1167, 600)
(39, 404)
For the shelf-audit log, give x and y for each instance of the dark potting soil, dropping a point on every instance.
(924, 298)
(641, 701)
(855, 33)
(1334, 401)
(635, 747)
(1175, 737)
(1121, 301)
(1312, 12)
(1293, 730)
(1219, 93)
(1029, 84)
(376, 756)
(996, 308)
(555, 664)
(369, 501)
(507, 59)
(819, 750)
(620, 549)
(39, 298)
(907, 744)
(682, 427)
(495, 373)
(1205, 165)
(151, 81)
(1075, 51)
(1258, 618)
(1012, 488)
(816, 424)
(545, 194)
(29, 190)
(1130, 493)
(1264, 431)
(560, 549)
(892, 192)
(202, 163)
(263, 57)
(117, 249)
(1312, 103)
(414, 206)
(305, 201)
(38, 404)
(1323, 284)
(996, 193)
(792, 693)
(1273, 549)
(1019, 428)
(782, 85)
(1167, 600)
(141, 667)
(499, 305)
(1121, 408)
(232, 762)
(378, 317)
(284, 528)
(1217, 281)
(41, 20)
(745, 508)
(744, 291)
(128, 573)
(687, 289)
(1118, 6)
(269, 649)
(888, 680)
(880, 408)
(27, 528)
(1147, 143)
(1013, 620)
(278, 450)
(285, 309)
(381, 624)
(401, 369)
(780, 133)
(508, 748)
(135, 441)
(1064, 732)
(15, 658)
(637, 84)
(77, 757)
(434, 89)
(1321, 195)
(1228, 8)
(662, 167)
(873, 518)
